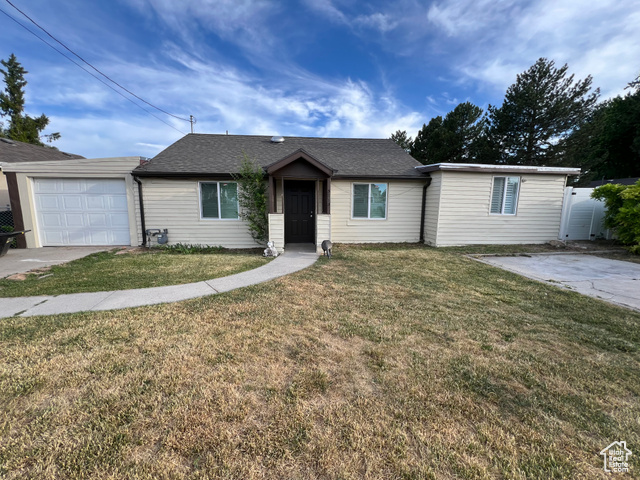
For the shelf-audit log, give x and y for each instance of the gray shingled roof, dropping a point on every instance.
(12, 151)
(206, 154)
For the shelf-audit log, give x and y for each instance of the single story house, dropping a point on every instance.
(67, 199)
(346, 190)
(342, 189)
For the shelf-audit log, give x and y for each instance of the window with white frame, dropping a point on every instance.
(219, 200)
(369, 200)
(504, 195)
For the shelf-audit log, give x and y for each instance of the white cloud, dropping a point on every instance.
(503, 39)
(223, 98)
(327, 9)
(377, 21)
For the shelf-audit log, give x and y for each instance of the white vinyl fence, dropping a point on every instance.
(582, 216)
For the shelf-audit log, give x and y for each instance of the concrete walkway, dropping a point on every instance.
(293, 260)
(614, 281)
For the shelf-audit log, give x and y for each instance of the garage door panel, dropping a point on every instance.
(54, 238)
(78, 237)
(100, 238)
(48, 185)
(118, 203)
(71, 185)
(82, 211)
(52, 220)
(95, 202)
(97, 220)
(115, 187)
(48, 202)
(120, 237)
(118, 221)
(74, 220)
(72, 202)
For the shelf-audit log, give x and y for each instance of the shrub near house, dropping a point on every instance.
(623, 211)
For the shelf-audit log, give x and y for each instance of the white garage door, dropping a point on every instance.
(82, 211)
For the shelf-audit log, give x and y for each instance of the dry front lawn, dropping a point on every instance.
(397, 362)
(105, 271)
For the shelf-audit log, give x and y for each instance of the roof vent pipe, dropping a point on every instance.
(277, 139)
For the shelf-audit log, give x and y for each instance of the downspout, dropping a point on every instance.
(142, 224)
(424, 208)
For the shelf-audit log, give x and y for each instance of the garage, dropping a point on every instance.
(81, 211)
(70, 200)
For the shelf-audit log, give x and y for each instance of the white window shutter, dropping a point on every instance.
(511, 197)
(497, 195)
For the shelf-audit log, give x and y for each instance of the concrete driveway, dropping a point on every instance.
(614, 281)
(21, 260)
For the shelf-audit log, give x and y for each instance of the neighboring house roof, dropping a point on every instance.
(206, 154)
(619, 181)
(488, 168)
(12, 151)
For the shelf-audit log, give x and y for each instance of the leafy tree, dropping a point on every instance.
(252, 197)
(401, 138)
(452, 139)
(623, 211)
(21, 127)
(539, 112)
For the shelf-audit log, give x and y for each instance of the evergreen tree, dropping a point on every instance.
(21, 127)
(608, 144)
(461, 129)
(452, 139)
(539, 112)
(428, 142)
(401, 138)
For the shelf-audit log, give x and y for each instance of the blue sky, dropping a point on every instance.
(340, 68)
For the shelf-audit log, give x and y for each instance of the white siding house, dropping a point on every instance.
(174, 204)
(402, 221)
(339, 189)
(469, 204)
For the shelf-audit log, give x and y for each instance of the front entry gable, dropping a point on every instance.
(299, 164)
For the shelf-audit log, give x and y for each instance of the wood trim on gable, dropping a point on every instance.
(297, 155)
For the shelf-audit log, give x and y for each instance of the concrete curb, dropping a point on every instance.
(289, 262)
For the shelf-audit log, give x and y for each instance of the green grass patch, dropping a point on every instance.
(386, 362)
(105, 271)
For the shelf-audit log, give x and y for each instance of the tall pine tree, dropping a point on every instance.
(539, 112)
(21, 127)
(401, 138)
(451, 139)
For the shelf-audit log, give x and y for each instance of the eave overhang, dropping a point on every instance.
(488, 168)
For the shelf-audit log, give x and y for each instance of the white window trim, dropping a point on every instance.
(368, 217)
(219, 219)
(504, 195)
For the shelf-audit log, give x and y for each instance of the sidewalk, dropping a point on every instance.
(291, 261)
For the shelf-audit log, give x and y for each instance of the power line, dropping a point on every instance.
(87, 71)
(84, 61)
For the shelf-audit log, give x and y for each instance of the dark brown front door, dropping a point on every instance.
(299, 211)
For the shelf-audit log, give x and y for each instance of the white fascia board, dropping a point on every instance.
(485, 167)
